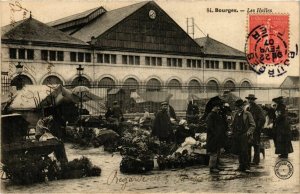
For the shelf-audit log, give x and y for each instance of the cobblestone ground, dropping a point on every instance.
(197, 179)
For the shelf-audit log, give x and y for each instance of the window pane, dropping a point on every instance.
(233, 65)
(124, 59)
(21, 53)
(80, 57)
(52, 55)
(212, 64)
(179, 62)
(147, 60)
(88, 57)
(188, 62)
(106, 58)
(30, 54)
(206, 64)
(73, 56)
(169, 62)
(241, 66)
(131, 60)
(113, 59)
(136, 60)
(229, 65)
(199, 63)
(194, 63)
(12, 53)
(217, 64)
(100, 58)
(174, 62)
(153, 61)
(44, 55)
(224, 65)
(60, 55)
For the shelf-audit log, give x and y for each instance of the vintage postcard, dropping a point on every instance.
(133, 96)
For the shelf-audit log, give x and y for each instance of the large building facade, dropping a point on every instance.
(137, 45)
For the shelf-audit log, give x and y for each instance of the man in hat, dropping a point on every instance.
(260, 119)
(243, 127)
(282, 129)
(162, 124)
(215, 135)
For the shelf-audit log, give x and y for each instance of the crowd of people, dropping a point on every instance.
(245, 124)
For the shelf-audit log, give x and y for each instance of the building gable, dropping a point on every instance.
(140, 33)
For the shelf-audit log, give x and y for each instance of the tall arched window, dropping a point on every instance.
(131, 84)
(246, 84)
(20, 81)
(229, 85)
(81, 81)
(174, 84)
(153, 85)
(52, 79)
(194, 86)
(106, 82)
(212, 86)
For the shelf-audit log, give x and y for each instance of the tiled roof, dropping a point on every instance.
(73, 17)
(33, 30)
(291, 81)
(213, 47)
(106, 21)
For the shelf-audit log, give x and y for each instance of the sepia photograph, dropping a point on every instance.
(162, 96)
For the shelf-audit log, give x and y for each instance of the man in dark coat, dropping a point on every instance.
(243, 127)
(282, 139)
(162, 124)
(259, 118)
(215, 134)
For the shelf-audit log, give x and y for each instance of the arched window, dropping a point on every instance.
(52, 79)
(246, 84)
(229, 85)
(174, 84)
(131, 84)
(212, 86)
(194, 86)
(81, 81)
(106, 82)
(20, 81)
(153, 85)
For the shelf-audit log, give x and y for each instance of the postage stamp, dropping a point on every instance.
(267, 45)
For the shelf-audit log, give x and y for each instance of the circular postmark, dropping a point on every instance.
(284, 169)
(267, 46)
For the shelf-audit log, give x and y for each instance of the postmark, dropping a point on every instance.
(267, 45)
(284, 169)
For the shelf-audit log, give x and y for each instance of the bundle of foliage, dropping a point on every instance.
(138, 150)
(79, 168)
(181, 160)
(29, 169)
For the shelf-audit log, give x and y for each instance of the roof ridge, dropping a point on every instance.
(129, 5)
(223, 44)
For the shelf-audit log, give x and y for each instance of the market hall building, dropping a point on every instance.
(134, 46)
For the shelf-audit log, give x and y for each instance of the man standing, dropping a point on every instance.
(243, 127)
(282, 128)
(259, 118)
(215, 135)
(162, 124)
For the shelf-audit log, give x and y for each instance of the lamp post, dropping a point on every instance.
(19, 70)
(79, 73)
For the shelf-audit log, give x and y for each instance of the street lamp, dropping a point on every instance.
(79, 73)
(19, 70)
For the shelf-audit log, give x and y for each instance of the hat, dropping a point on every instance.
(239, 102)
(251, 96)
(278, 99)
(164, 103)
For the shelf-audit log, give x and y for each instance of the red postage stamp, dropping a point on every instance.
(267, 45)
